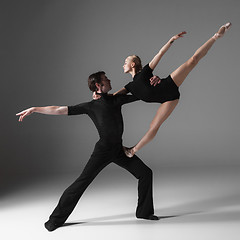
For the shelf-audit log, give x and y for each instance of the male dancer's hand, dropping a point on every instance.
(155, 80)
(25, 113)
(129, 152)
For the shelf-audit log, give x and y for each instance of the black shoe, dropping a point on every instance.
(51, 226)
(151, 217)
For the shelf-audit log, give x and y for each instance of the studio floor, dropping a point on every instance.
(197, 203)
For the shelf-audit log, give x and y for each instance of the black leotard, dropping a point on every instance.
(106, 115)
(140, 87)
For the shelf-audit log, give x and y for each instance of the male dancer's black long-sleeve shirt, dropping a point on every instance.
(106, 115)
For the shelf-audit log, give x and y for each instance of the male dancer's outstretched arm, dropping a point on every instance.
(49, 110)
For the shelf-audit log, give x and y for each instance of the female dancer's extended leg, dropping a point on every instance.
(178, 76)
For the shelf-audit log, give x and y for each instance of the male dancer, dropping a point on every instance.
(106, 114)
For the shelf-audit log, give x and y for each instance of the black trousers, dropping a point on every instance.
(100, 158)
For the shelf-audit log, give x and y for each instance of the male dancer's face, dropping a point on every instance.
(105, 85)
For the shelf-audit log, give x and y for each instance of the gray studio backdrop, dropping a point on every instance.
(49, 47)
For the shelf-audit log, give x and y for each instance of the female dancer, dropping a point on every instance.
(164, 91)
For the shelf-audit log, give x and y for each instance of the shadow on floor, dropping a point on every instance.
(114, 220)
(221, 209)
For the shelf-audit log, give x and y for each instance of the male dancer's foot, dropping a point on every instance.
(51, 226)
(222, 30)
(151, 217)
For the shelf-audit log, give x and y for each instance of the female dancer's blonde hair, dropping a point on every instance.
(137, 61)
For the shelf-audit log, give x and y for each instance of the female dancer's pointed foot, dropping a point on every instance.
(222, 30)
(129, 152)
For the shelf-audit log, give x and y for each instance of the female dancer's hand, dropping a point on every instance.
(177, 36)
(155, 80)
(95, 96)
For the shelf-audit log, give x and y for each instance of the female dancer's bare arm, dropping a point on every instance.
(49, 110)
(163, 50)
(153, 81)
(121, 91)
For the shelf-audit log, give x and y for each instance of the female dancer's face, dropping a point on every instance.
(128, 65)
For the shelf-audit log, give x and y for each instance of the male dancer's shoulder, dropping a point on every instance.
(81, 108)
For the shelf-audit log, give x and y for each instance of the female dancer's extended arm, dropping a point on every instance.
(153, 81)
(121, 91)
(163, 50)
(49, 110)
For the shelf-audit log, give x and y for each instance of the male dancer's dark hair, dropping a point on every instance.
(93, 79)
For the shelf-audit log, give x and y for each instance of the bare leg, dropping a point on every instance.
(162, 114)
(180, 74)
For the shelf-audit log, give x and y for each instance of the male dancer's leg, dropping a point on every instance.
(72, 194)
(144, 175)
